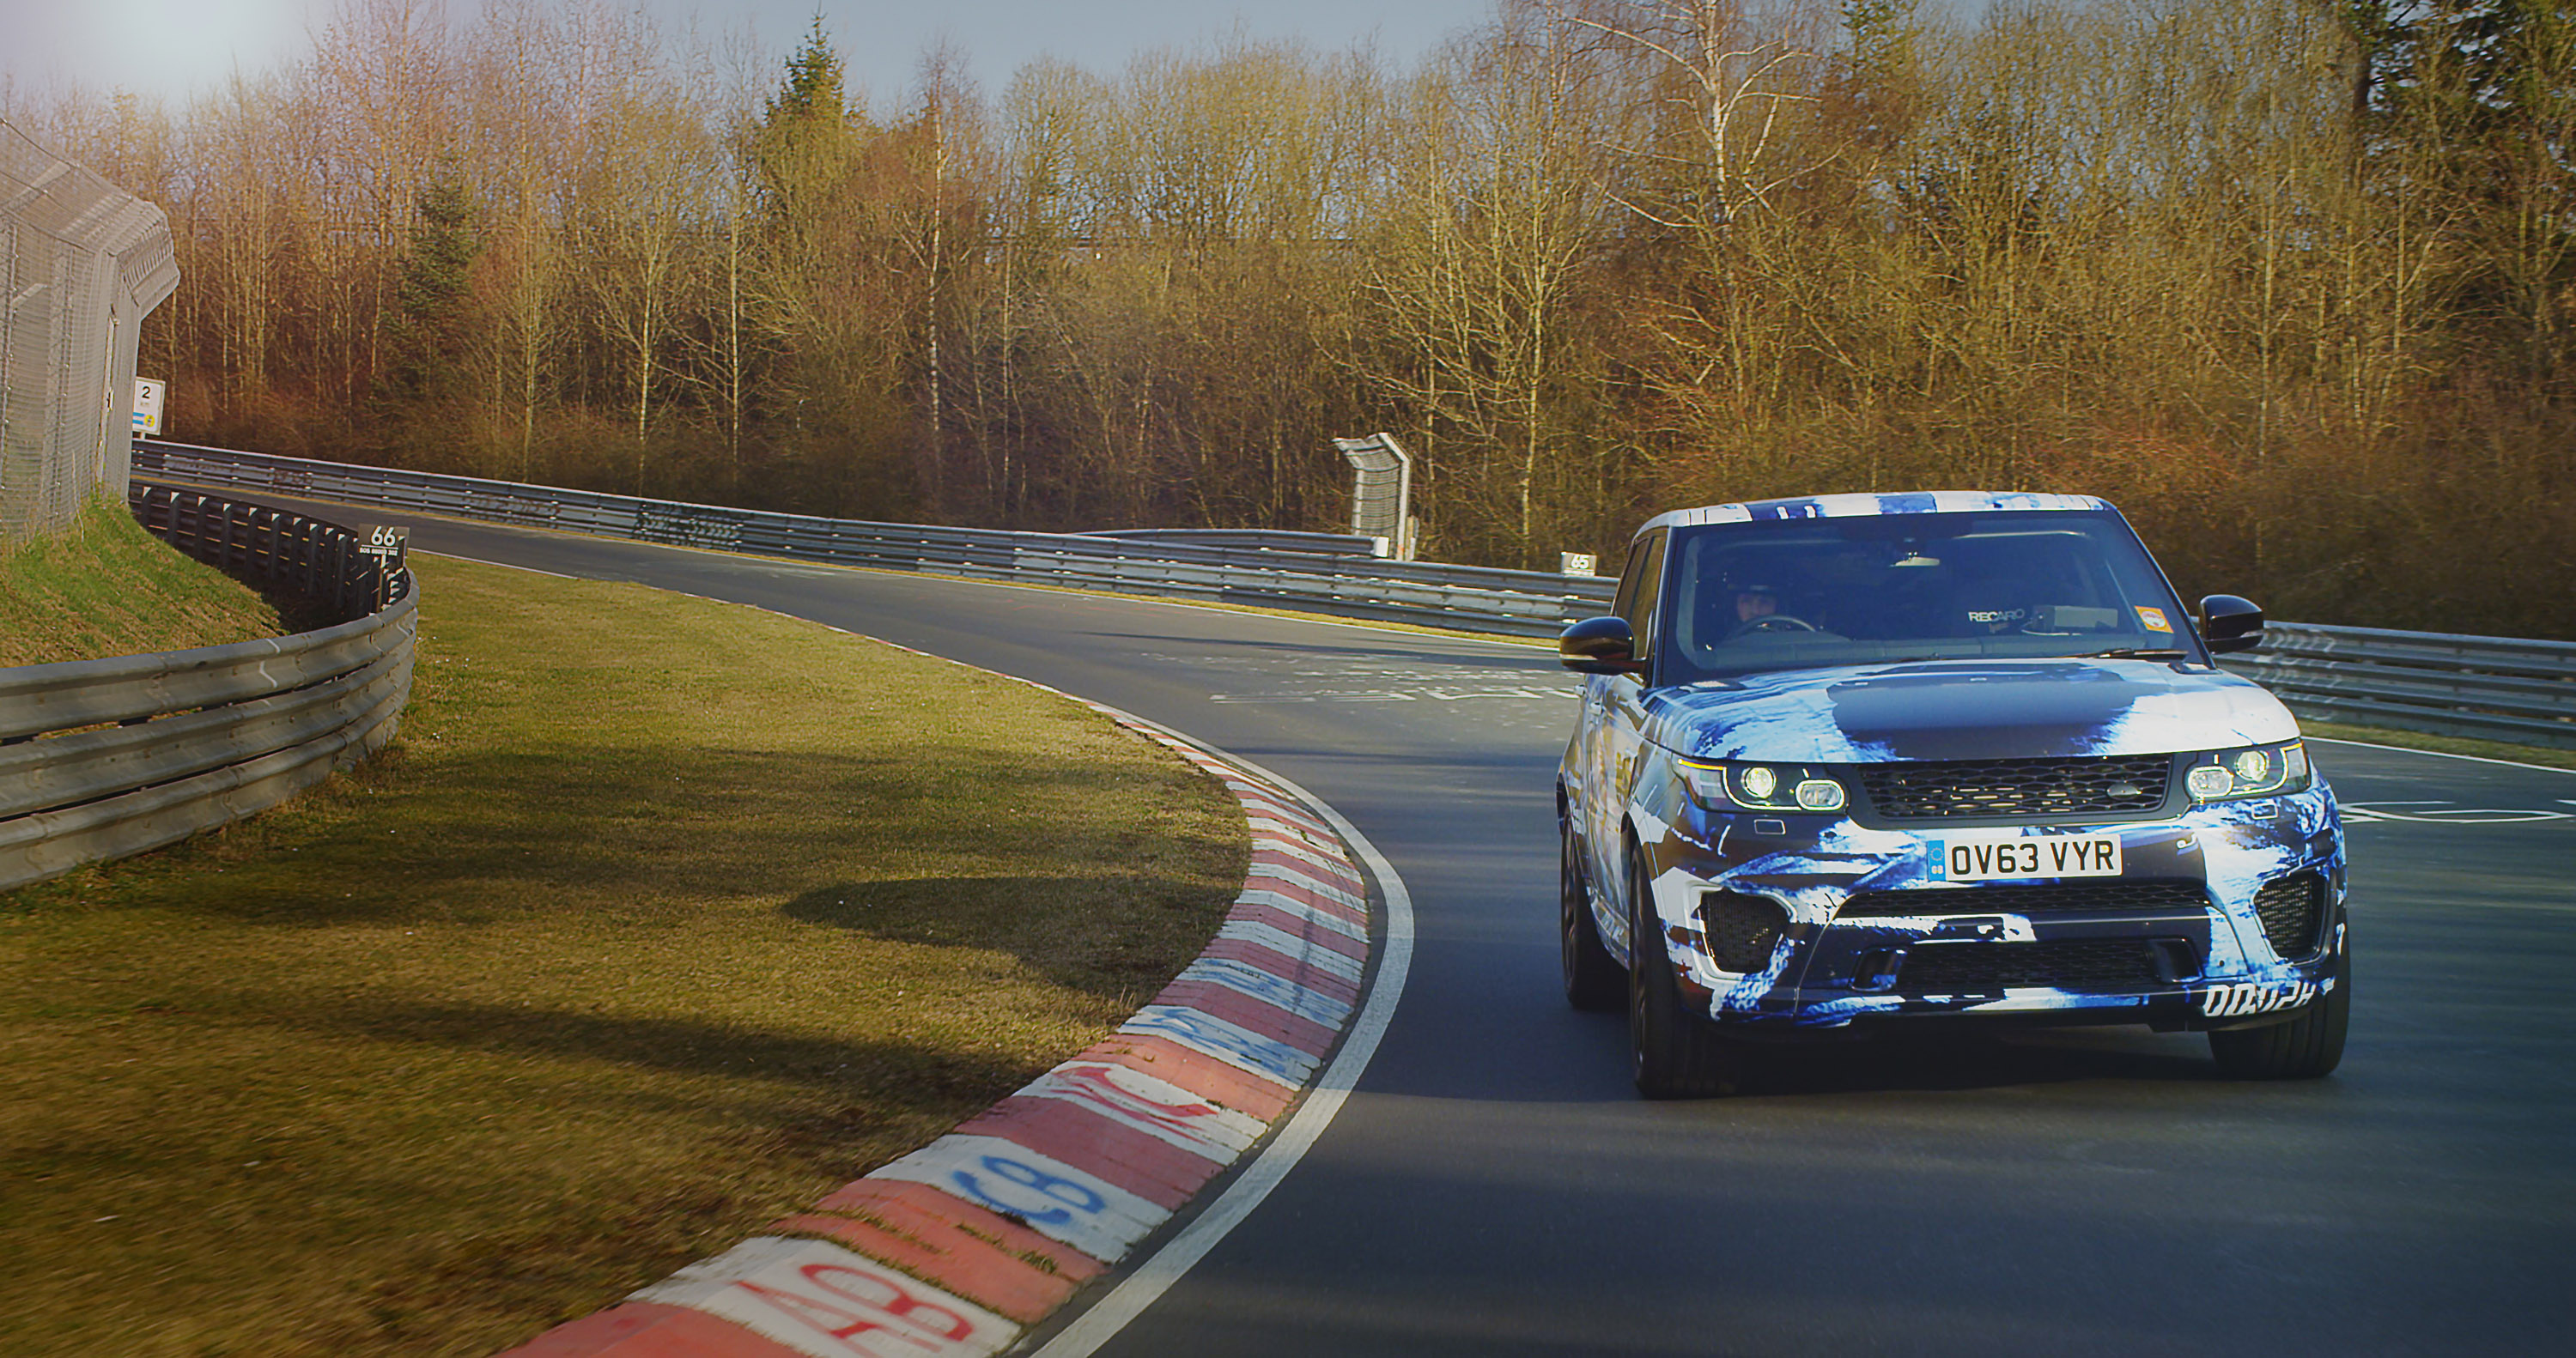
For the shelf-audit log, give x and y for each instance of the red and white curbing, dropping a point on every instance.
(953, 1250)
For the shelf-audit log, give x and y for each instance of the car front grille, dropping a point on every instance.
(1742, 930)
(2035, 789)
(2292, 908)
(2109, 895)
(2065, 964)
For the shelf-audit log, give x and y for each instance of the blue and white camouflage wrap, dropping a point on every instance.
(1840, 720)
(1863, 505)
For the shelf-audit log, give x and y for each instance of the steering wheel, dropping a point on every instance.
(1773, 622)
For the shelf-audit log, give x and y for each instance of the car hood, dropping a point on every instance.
(1965, 709)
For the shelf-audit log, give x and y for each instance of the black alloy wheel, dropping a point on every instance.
(2305, 1048)
(1672, 1052)
(1594, 981)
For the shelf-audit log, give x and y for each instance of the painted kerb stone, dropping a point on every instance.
(958, 1247)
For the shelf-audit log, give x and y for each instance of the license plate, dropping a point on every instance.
(2023, 857)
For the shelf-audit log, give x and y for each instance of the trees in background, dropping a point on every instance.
(2290, 280)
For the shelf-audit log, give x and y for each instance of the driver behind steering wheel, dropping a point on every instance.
(1755, 600)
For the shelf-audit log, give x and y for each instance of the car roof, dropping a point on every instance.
(1863, 505)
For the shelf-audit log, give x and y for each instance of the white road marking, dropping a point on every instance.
(2368, 812)
(478, 561)
(2437, 754)
(1166, 1266)
(1323, 1101)
(1397, 695)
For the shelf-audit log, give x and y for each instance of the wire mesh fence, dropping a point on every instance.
(81, 263)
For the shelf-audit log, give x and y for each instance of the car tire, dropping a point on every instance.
(1672, 1052)
(1594, 981)
(2304, 1048)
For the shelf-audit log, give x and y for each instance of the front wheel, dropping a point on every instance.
(2304, 1048)
(1593, 980)
(1672, 1052)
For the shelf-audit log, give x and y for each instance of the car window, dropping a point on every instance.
(1638, 599)
(1640, 586)
(1624, 602)
(1800, 593)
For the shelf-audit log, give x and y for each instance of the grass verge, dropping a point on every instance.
(105, 587)
(662, 917)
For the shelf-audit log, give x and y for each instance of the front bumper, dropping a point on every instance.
(1815, 921)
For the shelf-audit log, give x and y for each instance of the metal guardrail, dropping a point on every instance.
(2491, 688)
(104, 758)
(1266, 539)
(2496, 688)
(1276, 570)
(322, 561)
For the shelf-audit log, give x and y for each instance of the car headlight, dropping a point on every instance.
(2250, 771)
(1762, 787)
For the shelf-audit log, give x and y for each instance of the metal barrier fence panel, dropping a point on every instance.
(1278, 573)
(2493, 687)
(103, 758)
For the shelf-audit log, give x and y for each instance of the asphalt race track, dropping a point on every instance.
(1494, 1187)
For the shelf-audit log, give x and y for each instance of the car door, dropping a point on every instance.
(1588, 758)
(1618, 716)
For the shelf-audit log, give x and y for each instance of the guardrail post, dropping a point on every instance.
(115, 756)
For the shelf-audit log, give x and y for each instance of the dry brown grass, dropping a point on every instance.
(663, 917)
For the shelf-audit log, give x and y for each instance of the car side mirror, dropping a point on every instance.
(2228, 623)
(1599, 646)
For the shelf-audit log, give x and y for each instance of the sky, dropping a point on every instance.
(170, 48)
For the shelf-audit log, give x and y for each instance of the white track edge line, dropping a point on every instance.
(1155, 1276)
(1324, 1098)
(503, 565)
(2438, 754)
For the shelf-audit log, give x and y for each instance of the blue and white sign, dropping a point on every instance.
(148, 394)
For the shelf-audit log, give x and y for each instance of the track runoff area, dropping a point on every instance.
(1489, 1183)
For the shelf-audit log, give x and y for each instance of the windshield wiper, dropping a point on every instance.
(2135, 653)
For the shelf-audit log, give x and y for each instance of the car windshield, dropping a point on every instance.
(1800, 593)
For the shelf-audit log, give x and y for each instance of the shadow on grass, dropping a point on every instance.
(908, 1075)
(481, 837)
(1112, 935)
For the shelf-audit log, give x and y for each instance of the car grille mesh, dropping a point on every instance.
(1742, 930)
(2291, 909)
(2124, 895)
(2065, 964)
(2032, 788)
